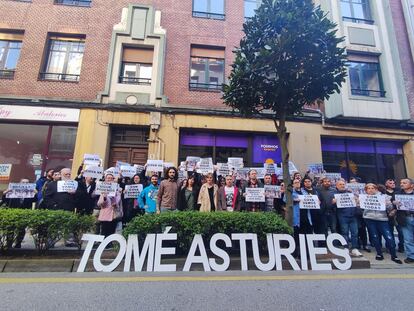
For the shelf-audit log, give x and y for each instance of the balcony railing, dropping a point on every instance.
(205, 86)
(370, 93)
(209, 15)
(134, 80)
(357, 20)
(86, 3)
(58, 77)
(6, 74)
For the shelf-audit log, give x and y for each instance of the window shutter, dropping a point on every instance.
(138, 55)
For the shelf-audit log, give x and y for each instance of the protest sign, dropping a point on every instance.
(270, 168)
(110, 188)
(255, 195)
(192, 162)
(93, 171)
(21, 191)
(139, 168)
(404, 202)
(67, 185)
(155, 165)
(113, 171)
(261, 171)
(372, 202)
(120, 163)
(182, 175)
(334, 177)
(91, 159)
(132, 191)
(128, 171)
(223, 169)
(356, 188)
(5, 170)
(168, 164)
(235, 163)
(309, 201)
(345, 200)
(272, 192)
(292, 168)
(242, 173)
(205, 166)
(316, 168)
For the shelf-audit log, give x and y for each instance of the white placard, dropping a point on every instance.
(404, 202)
(114, 171)
(255, 195)
(372, 202)
(261, 171)
(155, 165)
(93, 171)
(192, 162)
(345, 200)
(118, 164)
(242, 173)
(235, 163)
(5, 170)
(91, 159)
(128, 171)
(21, 190)
(270, 168)
(132, 191)
(356, 188)
(292, 168)
(168, 164)
(316, 168)
(334, 177)
(273, 192)
(67, 185)
(139, 168)
(110, 188)
(309, 201)
(205, 166)
(223, 169)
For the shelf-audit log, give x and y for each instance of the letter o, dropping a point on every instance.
(97, 264)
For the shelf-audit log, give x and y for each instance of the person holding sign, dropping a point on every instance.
(208, 197)
(406, 220)
(25, 203)
(252, 182)
(316, 213)
(346, 212)
(187, 198)
(148, 198)
(377, 224)
(391, 192)
(229, 196)
(130, 204)
(110, 209)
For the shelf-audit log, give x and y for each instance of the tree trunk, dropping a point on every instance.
(282, 135)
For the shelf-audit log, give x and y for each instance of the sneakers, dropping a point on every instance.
(379, 257)
(355, 253)
(396, 260)
(409, 260)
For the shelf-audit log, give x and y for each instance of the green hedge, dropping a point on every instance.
(47, 227)
(187, 224)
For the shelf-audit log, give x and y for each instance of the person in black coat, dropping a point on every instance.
(188, 195)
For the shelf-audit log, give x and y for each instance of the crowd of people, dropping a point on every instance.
(211, 193)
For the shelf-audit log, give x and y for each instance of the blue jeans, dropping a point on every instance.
(349, 225)
(376, 228)
(408, 232)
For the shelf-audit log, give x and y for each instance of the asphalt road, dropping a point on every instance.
(374, 289)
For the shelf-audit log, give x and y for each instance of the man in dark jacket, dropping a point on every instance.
(328, 210)
(41, 182)
(253, 182)
(68, 201)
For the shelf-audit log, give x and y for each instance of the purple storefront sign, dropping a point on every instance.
(266, 147)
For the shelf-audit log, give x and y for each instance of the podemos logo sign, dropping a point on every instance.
(152, 251)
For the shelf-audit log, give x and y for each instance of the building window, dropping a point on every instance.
(209, 9)
(365, 76)
(207, 68)
(9, 56)
(86, 3)
(250, 7)
(254, 148)
(136, 66)
(64, 59)
(371, 161)
(356, 11)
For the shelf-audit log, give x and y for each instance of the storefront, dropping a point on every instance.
(370, 160)
(34, 139)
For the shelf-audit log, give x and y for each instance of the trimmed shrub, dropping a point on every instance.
(187, 224)
(12, 221)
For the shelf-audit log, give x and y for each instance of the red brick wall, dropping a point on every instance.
(404, 51)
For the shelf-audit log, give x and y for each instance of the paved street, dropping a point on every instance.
(375, 289)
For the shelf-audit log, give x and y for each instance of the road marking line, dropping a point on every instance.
(204, 278)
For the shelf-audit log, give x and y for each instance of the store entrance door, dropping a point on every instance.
(129, 155)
